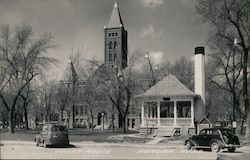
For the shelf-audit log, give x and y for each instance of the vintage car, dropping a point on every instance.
(52, 134)
(214, 139)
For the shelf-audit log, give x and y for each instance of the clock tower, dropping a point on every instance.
(115, 43)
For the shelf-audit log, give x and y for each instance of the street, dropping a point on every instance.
(13, 151)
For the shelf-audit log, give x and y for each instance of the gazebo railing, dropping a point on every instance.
(151, 121)
(183, 121)
(166, 121)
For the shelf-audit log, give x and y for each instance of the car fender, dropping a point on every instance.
(193, 142)
(37, 137)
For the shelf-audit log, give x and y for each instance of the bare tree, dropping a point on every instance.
(121, 86)
(63, 97)
(91, 90)
(26, 96)
(24, 58)
(230, 20)
(48, 92)
(227, 72)
(183, 69)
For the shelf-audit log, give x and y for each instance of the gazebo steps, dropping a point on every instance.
(149, 130)
(143, 131)
(165, 131)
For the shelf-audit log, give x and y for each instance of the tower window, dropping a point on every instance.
(110, 45)
(115, 56)
(109, 34)
(110, 57)
(113, 34)
(115, 44)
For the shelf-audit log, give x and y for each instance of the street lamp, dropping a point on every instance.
(102, 121)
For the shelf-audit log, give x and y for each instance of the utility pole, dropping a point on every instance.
(151, 69)
(74, 83)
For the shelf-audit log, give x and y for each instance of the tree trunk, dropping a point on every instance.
(247, 135)
(92, 123)
(245, 93)
(62, 115)
(112, 122)
(11, 121)
(241, 125)
(25, 114)
(124, 125)
(113, 118)
(26, 119)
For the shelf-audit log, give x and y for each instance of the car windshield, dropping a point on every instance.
(226, 132)
(45, 127)
(58, 128)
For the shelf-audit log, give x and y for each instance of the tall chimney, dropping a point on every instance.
(199, 72)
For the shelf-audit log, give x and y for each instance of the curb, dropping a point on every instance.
(86, 144)
(239, 156)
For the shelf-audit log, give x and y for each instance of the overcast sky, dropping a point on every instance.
(167, 28)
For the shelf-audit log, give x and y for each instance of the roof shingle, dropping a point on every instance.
(170, 86)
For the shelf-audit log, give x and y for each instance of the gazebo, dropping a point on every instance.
(168, 108)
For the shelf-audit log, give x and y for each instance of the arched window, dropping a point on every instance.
(115, 44)
(115, 57)
(110, 45)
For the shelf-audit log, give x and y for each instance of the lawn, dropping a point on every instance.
(77, 135)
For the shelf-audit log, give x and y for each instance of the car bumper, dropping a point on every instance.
(232, 146)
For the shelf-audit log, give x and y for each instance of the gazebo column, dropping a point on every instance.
(158, 112)
(192, 111)
(142, 114)
(175, 111)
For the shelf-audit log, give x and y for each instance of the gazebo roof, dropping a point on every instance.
(169, 86)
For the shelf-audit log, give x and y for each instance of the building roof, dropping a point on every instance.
(169, 86)
(115, 18)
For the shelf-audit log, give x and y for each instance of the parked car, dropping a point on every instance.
(52, 134)
(214, 139)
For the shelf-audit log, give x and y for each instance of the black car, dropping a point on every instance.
(214, 139)
(52, 134)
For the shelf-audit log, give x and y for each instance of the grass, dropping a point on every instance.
(77, 135)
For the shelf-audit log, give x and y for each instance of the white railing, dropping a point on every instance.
(183, 121)
(151, 121)
(166, 121)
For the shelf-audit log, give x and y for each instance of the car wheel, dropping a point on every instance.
(215, 147)
(188, 145)
(44, 144)
(231, 149)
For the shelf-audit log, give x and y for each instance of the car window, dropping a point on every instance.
(62, 128)
(215, 132)
(226, 132)
(54, 128)
(203, 132)
(209, 132)
(45, 128)
(58, 128)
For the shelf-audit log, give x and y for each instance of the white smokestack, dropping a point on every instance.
(199, 72)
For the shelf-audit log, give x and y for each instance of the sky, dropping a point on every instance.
(167, 29)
